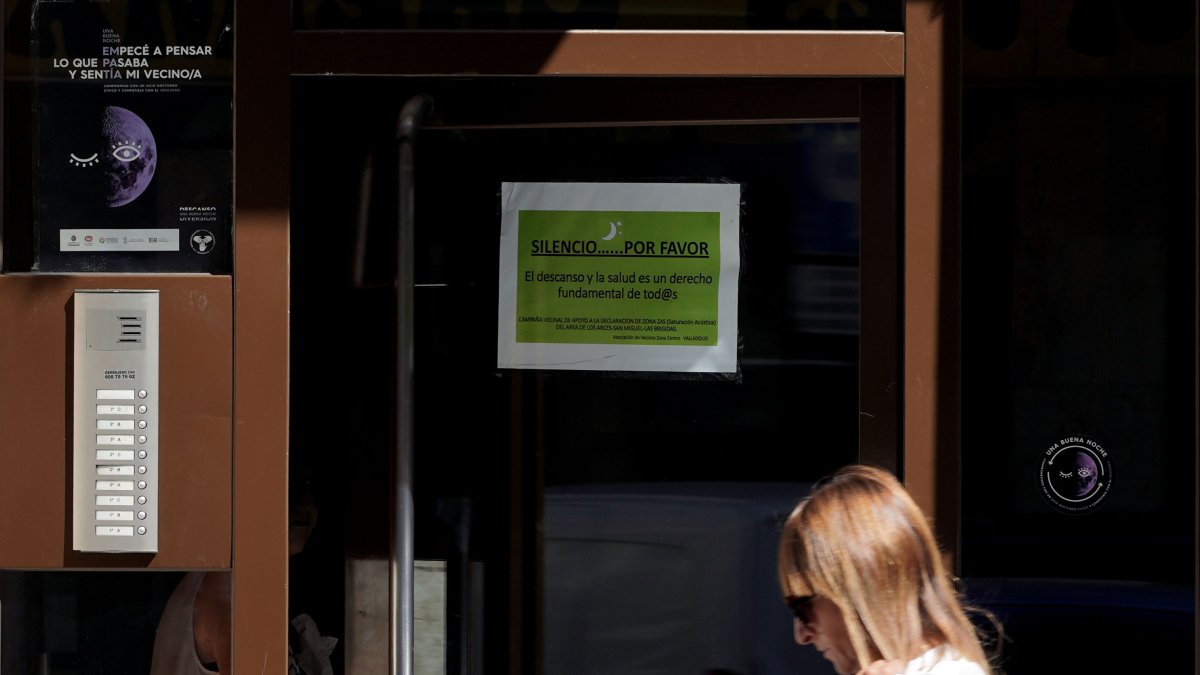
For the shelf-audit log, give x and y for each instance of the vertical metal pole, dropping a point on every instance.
(402, 539)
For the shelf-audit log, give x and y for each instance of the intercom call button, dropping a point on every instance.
(115, 409)
(114, 439)
(114, 515)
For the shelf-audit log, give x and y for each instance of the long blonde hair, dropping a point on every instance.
(861, 542)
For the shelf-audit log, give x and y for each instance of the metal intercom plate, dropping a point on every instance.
(115, 490)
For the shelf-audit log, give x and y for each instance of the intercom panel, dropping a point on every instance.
(116, 463)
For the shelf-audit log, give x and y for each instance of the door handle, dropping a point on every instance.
(401, 574)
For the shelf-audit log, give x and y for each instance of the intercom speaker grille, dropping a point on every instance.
(131, 328)
(116, 330)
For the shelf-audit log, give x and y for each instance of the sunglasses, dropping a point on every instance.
(801, 606)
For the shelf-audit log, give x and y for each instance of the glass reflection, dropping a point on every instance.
(588, 523)
(80, 623)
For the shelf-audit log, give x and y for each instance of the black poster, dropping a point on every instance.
(133, 136)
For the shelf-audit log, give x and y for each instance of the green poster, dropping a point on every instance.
(618, 277)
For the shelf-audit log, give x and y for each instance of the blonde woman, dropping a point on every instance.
(862, 573)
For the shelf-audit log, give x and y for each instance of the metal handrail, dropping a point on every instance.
(402, 558)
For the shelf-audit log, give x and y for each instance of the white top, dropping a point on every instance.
(942, 661)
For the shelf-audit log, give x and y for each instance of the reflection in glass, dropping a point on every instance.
(668, 578)
(80, 623)
(589, 523)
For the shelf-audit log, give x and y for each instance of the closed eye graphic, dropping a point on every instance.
(127, 152)
(84, 161)
(1066, 475)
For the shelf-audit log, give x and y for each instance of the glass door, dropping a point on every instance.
(570, 520)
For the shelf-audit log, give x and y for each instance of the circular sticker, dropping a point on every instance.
(1076, 474)
(202, 242)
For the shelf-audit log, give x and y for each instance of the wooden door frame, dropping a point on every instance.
(923, 59)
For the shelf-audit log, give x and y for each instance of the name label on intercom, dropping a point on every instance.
(115, 487)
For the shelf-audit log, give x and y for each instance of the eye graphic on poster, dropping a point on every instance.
(133, 155)
(90, 160)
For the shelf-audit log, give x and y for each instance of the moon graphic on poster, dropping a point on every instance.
(1085, 473)
(130, 155)
(612, 230)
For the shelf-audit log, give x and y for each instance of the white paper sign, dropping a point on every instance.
(619, 276)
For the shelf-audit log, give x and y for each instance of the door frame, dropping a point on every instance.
(921, 61)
